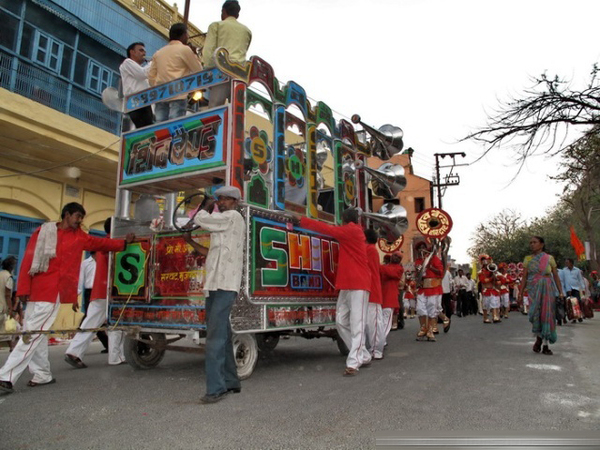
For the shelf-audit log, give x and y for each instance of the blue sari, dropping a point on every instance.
(542, 293)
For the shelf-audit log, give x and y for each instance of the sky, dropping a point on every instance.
(435, 68)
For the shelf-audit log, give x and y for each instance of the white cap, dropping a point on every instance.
(228, 191)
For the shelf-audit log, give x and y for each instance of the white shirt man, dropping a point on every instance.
(134, 78)
(224, 267)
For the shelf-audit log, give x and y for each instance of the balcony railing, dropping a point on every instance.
(42, 86)
(166, 15)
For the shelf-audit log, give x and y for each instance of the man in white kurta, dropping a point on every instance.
(224, 266)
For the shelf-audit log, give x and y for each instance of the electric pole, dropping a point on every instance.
(451, 179)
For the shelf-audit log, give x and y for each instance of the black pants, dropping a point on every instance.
(142, 117)
(447, 304)
(473, 307)
(462, 303)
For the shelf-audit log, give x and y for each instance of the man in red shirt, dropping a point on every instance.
(353, 279)
(430, 293)
(96, 316)
(491, 295)
(391, 274)
(374, 315)
(48, 277)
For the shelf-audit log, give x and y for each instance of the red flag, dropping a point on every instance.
(577, 245)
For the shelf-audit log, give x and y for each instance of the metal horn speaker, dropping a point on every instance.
(385, 142)
(392, 220)
(387, 181)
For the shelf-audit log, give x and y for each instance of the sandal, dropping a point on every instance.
(547, 351)
(74, 361)
(350, 372)
(32, 383)
(537, 347)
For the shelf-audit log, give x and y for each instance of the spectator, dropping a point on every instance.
(173, 61)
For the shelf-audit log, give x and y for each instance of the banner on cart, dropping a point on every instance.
(291, 316)
(181, 272)
(291, 263)
(174, 148)
(167, 316)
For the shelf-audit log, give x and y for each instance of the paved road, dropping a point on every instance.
(477, 377)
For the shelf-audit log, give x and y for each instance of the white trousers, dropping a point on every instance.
(504, 300)
(383, 329)
(491, 302)
(351, 314)
(96, 316)
(373, 318)
(429, 305)
(38, 316)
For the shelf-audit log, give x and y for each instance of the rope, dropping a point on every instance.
(69, 330)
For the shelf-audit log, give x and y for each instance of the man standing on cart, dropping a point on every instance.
(224, 267)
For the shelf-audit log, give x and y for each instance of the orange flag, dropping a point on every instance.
(577, 245)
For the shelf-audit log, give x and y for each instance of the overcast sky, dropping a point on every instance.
(433, 68)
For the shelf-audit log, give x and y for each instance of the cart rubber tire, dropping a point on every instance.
(267, 341)
(341, 345)
(245, 350)
(141, 356)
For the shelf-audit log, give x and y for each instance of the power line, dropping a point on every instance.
(69, 163)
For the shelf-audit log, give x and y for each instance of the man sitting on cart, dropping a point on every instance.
(224, 266)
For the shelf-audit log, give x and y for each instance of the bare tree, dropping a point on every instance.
(581, 173)
(538, 122)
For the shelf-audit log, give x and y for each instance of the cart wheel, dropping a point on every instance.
(341, 345)
(246, 354)
(267, 341)
(142, 356)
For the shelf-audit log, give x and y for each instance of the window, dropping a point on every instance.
(10, 26)
(99, 77)
(419, 204)
(47, 51)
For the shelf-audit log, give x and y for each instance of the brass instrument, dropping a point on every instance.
(435, 224)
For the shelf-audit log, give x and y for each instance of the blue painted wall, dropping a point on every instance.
(115, 22)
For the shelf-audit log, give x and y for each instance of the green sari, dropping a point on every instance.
(542, 293)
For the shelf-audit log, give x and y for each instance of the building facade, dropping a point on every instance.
(58, 141)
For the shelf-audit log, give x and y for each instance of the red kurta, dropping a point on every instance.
(391, 274)
(353, 268)
(99, 291)
(486, 278)
(435, 263)
(374, 263)
(63, 271)
(503, 281)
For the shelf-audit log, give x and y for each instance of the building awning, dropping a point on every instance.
(79, 25)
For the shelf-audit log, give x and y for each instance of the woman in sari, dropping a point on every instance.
(543, 285)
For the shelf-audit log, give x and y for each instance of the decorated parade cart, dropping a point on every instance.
(285, 154)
